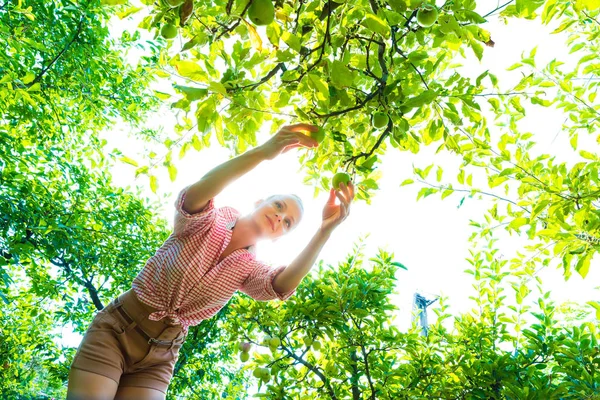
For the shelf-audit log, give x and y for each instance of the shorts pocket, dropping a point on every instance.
(108, 319)
(156, 355)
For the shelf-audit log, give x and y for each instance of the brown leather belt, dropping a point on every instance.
(150, 340)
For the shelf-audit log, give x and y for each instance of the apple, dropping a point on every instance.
(427, 15)
(337, 179)
(318, 135)
(168, 31)
(261, 12)
(244, 356)
(244, 346)
(307, 341)
(380, 119)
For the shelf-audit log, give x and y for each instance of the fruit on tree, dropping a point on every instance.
(380, 119)
(308, 341)
(318, 135)
(257, 373)
(244, 346)
(427, 15)
(274, 342)
(261, 12)
(337, 179)
(168, 31)
(316, 345)
(244, 356)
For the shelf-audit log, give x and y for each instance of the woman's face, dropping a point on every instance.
(277, 216)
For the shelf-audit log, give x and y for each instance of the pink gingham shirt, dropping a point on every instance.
(184, 280)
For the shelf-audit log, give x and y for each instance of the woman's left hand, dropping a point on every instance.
(335, 214)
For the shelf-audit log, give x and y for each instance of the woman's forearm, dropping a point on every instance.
(219, 177)
(293, 274)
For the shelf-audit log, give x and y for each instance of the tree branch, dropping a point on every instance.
(47, 68)
(367, 372)
(314, 369)
(264, 79)
(380, 140)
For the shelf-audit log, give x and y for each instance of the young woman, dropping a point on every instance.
(131, 346)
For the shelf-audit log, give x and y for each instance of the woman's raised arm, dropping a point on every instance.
(211, 184)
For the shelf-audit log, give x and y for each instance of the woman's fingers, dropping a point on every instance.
(299, 127)
(340, 196)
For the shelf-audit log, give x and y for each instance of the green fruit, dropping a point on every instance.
(168, 31)
(380, 120)
(274, 342)
(337, 179)
(244, 356)
(427, 15)
(261, 12)
(244, 346)
(316, 345)
(318, 135)
(257, 373)
(266, 376)
(308, 341)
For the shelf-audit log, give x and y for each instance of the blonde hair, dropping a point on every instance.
(294, 196)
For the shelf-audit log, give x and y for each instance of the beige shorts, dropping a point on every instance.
(122, 344)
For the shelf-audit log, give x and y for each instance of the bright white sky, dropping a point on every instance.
(429, 236)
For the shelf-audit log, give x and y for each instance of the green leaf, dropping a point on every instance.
(172, 172)
(399, 265)
(189, 69)
(377, 25)
(583, 266)
(128, 12)
(129, 161)
(518, 222)
(588, 155)
(153, 183)
(192, 93)
(274, 34)
(407, 182)
(218, 88)
(291, 40)
(340, 75)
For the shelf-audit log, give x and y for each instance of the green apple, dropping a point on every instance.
(337, 179)
(316, 345)
(427, 15)
(274, 342)
(380, 119)
(168, 31)
(261, 12)
(244, 356)
(266, 376)
(257, 373)
(307, 341)
(318, 135)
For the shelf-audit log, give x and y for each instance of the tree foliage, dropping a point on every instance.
(512, 345)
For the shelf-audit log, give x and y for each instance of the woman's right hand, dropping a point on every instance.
(287, 138)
